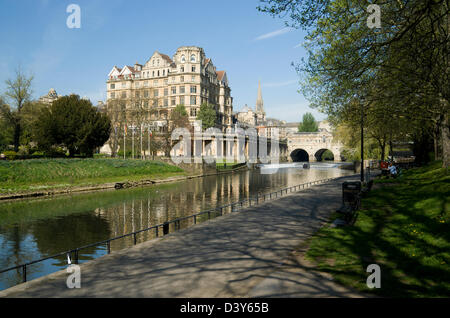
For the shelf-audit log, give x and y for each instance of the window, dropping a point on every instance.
(166, 81)
(146, 104)
(113, 86)
(182, 69)
(183, 59)
(113, 95)
(158, 73)
(173, 101)
(146, 94)
(145, 84)
(136, 85)
(137, 94)
(193, 58)
(193, 68)
(194, 112)
(153, 74)
(123, 84)
(166, 102)
(155, 82)
(164, 72)
(181, 100)
(181, 78)
(155, 93)
(166, 91)
(124, 94)
(193, 78)
(181, 89)
(193, 100)
(174, 90)
(193, 89)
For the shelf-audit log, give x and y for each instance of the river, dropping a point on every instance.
(36, 228)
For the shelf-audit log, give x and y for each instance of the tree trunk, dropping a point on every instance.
(445, 137)
(17, 133)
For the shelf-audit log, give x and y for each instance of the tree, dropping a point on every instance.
(18, 91)
(73, 123)
(404, 64)
(207, 114)
(308, 124)
(6, 130)
(178, 118)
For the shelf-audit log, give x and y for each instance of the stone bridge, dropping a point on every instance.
(311, 146)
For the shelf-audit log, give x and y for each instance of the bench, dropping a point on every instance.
(351, 200)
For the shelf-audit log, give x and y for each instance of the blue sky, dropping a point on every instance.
(249, 45)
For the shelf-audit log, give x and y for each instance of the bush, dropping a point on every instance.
(101, 155)
(56, 152)
(10, 155)
(127, 154)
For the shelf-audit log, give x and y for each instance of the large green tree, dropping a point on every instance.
(73, 123)
(401, 69)
(207, 114)
(308, 124)
(6, 131)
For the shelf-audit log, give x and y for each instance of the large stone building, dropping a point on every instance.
(189, 78)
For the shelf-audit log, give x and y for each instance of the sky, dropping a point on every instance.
(249, 45)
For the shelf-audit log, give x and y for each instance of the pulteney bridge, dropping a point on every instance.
(307, 146)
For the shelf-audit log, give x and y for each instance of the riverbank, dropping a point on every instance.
(249, 253)
(23, 179)
(39, 177)
(403, 226)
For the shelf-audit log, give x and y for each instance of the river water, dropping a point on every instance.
(36, 228)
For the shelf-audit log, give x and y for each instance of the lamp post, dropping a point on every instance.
(362, 139)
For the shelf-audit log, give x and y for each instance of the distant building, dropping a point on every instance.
(49, 98)
(266, 126)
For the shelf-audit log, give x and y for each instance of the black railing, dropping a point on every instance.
(73, 253)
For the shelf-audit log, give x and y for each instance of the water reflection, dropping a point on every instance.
(33, 229)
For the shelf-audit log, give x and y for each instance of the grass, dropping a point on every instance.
(403, 226)
(38, 174)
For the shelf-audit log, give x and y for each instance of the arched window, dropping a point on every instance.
(193, 58)
(183, 59)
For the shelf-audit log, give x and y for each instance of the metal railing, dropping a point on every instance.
(259, 198)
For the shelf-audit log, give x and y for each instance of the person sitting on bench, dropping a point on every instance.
(393, 170)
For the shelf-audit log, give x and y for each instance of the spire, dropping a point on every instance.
(259, 100)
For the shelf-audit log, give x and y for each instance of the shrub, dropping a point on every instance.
(10, 155)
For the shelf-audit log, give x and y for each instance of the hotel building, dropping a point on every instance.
(155, 88)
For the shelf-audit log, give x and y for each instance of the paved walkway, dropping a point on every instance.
(244, 254)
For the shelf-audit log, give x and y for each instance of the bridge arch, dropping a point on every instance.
(300, 155)
(324, 155)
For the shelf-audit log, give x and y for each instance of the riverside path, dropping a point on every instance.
(250, 253)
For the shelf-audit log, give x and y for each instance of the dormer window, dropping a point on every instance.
(183, 59)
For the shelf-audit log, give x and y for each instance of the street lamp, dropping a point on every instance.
(362, 138)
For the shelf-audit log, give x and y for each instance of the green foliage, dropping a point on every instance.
(10, 155)
(397, 75)
(6, 127)
(179, 111)
(73, 123)
(308, 124)
(207, 115)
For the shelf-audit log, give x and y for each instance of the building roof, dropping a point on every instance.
(166, 57)
(220, 75)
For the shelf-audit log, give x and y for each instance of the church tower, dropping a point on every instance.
(260, 113)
